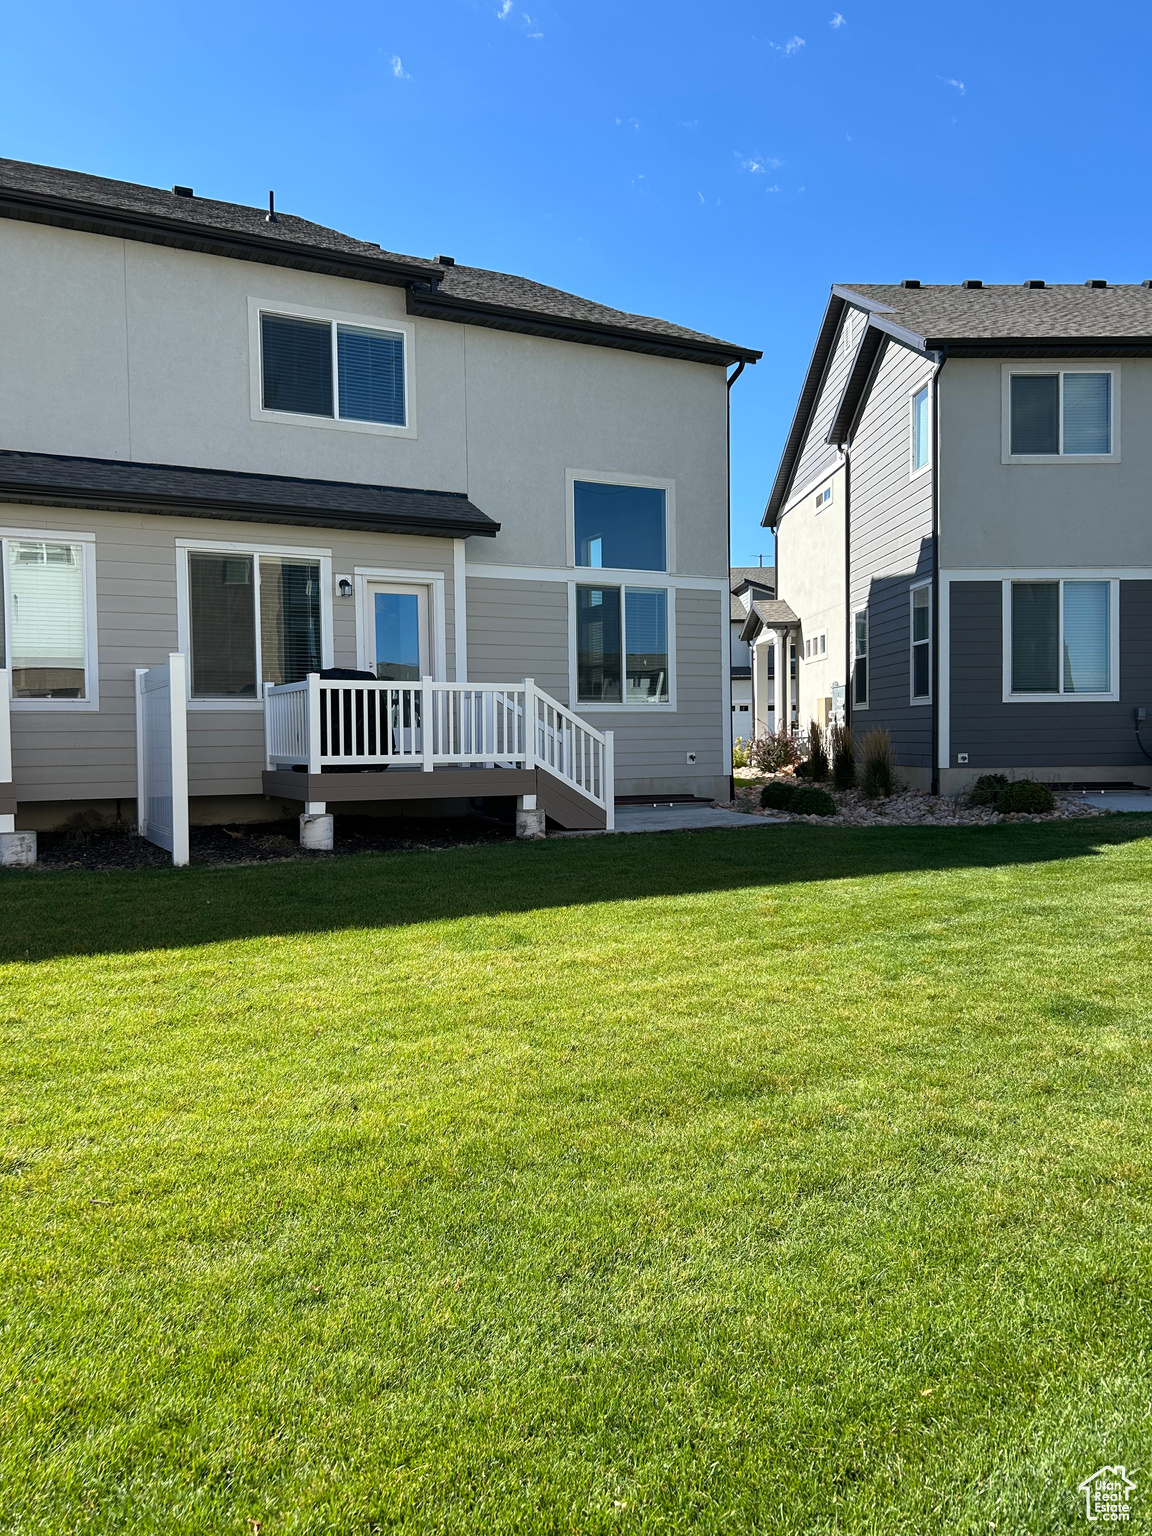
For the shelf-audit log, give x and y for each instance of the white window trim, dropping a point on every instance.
(405, 328)
(183, 609)
(913, 472)
(1074, 365)
(854, 658)
(630, 706)
(1060, 697)
(917, 701)
(365, 575)
(645, 482)
(90, 704)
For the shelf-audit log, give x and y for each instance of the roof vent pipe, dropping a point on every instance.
(270, 216)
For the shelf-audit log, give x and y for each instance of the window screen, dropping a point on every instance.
(371, 375)
(223, 625)
(297, 359)
(646, 636)
(1086, 636)
(45, 648)
(1035, 413)
(620, 526)
(1087, 398)
(289, 619)
(598, 677)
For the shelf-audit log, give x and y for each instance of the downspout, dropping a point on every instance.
(849, 638)
(935, 631)
(726, 613)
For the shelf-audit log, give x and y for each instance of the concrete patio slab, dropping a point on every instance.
(1120, 800)
(676, 818)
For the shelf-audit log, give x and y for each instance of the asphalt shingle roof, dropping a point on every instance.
(949, 312)
(176, 219)
(63, 480)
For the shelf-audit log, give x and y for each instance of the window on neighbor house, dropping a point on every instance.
(921, 430)
(1061, 636)
(1061, 413)
(921, 599)
(823, 497)
(860, 659)
(621, 645)
(43, 630)
(815, 646)
(323, 368)
(254, 619)
(620, 527)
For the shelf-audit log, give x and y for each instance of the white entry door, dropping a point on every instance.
(395, 641)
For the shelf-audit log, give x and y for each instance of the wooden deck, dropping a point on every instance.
(562, 804)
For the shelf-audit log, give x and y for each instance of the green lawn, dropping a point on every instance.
(788, 1180)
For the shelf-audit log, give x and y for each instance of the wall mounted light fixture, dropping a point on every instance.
(344, 586)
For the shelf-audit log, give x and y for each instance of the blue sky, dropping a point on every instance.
(718, 164)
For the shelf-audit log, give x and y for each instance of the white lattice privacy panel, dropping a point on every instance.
(162, 756)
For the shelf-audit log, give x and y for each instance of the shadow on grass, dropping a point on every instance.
(43, 915)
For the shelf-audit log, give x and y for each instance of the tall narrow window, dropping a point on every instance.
(45, 642)
(598, 645)
(860, 659)
(343, 372)
(254, 619)
(921, 642)
(1061, 637)
(1060, 414)
(921, 429)
(620, 527)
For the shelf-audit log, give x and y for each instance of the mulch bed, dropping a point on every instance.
(265, 842)
(907, 807)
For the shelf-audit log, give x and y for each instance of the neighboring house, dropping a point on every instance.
(275, 449)
(748, 582)
(960, 526)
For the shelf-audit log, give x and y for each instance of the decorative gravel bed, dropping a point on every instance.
(909, 807)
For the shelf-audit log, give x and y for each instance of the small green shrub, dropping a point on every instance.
(778, 797)
(817, 754)
(803, 770)
(809, 800)
(877, 764)
(739, 753)
(773, 751)
(843, 757)
(1026, 795)
(986, 789)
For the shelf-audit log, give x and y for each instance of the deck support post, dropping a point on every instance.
(529, 820)
(17, 849)
(316, 827)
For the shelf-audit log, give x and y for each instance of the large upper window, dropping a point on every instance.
(43, 628)
(622, 527)
(325, 368)
(253, 619)
(1062, 637)
(1060, 414)
(622, 645)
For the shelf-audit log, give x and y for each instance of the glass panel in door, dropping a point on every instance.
(399, 637)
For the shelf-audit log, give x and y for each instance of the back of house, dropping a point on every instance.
(962, 550)
(276, 450)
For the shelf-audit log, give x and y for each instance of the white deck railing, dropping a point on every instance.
(317, 724)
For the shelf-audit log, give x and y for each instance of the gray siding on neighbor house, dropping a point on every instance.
(891, 547)
(817, 455)
(998, 736)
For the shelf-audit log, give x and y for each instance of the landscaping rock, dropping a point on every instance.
(906, 808)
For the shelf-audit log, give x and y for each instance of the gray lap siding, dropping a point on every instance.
(999, 735)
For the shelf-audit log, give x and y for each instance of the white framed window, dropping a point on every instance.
(920, 643)
(251, 614)
(860, 659)
(823, 498)
(815, 647)
(48, 619)
(921, 430)
(326, 368)
(621, 651)
(620, 522)
(1057, 415)
(1061, 639)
